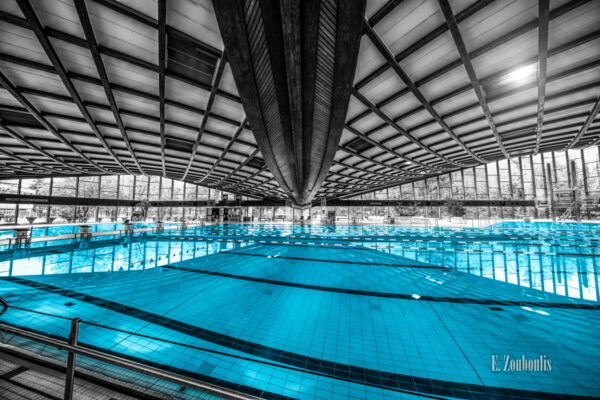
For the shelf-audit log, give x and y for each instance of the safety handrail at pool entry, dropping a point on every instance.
(74, 348)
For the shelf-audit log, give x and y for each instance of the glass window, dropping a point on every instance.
(515, 173)
(457, 185)
(561, 178)
(108, 187)
(445, 186)
(494, 189)
(126, 187)
(62, 214)
(88, 187)
(202, 193)
(395, 192)
(8, 213)
(469, 182)
(178, 190)
(33, 214)
(190, 191)
(539, 177)
(9, 186)
(481, 182)
(141, 187)
(527, 177)
(36, 187)
(154, 187)
(64, 187)
(505, 182)
(85, 214)
(166, 189)
(432, 188)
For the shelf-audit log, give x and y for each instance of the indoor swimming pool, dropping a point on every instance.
(323, 312)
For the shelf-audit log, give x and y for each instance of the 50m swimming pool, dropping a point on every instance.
(415, 309)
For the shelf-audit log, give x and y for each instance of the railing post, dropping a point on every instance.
(70, 378)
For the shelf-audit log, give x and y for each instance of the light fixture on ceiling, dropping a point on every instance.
(521, 74)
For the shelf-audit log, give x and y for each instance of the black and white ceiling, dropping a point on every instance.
(93, 87)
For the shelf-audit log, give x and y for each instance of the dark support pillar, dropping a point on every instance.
(573, 171)
(535, 209)
(550, 185)
(293, 63)
(586, 190)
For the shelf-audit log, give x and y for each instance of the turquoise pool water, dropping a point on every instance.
(413, 309)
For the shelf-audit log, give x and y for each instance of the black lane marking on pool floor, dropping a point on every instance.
(437, 299)
(330, 368)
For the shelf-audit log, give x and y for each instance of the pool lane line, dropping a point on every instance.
(334, 261)
(436, 299)
(479, 238)
(383, 240)
(476, 238)
(332, 369)
(38, 251)
(441, 232)
(382, 228)
(357, 246)
(441, 249)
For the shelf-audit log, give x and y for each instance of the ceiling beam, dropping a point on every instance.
(387, 54)
(462, 16)
(30, 162)
(375, 143)
(27, 143)
(544, 19)
(555, 77)
(463, 89)
(466, 60)
(6, 84)
(128, 58)
(229, 144)
(211, 98)
(586, 125)
(354, 167)
(36, 26)
(384, 11)
(355, 153)
(116, 87)
(402, 131)
(242, 165)
(88, 30)
(162, 61)
(427, 38)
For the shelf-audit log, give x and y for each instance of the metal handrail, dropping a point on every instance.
(130, 365)
(4, 305)
(167, 375)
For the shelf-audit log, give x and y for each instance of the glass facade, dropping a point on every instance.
(128, 188)
(519, 179)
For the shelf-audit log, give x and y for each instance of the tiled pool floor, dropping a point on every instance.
(399, 318)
